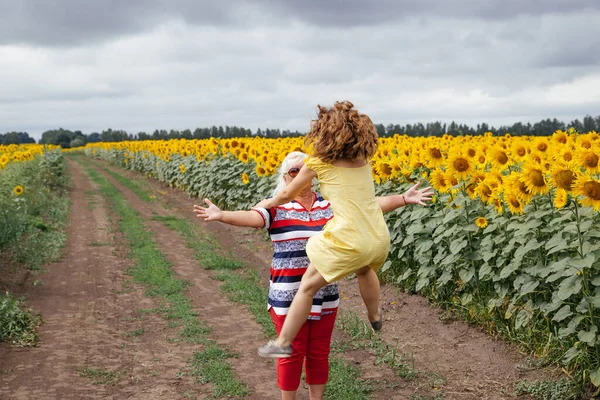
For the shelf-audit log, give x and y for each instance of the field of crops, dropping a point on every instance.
(511, 241)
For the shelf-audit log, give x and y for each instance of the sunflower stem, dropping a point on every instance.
(578, 221)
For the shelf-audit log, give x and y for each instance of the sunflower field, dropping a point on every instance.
(510, 242)
(32, 178)
(33, 213)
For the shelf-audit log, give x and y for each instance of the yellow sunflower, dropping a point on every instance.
(260, 170)
(516, 185)
(534, 178)
(559, 137)
(589, 189)
(515, 206)
(459, 165)
(245, 178)
(484, 191)
(589, 160)
(384, 170)
(562, 177)
(497, 202)
(499, 158)
(481, 222)
(439, 181)
(18, 190)
(518, 150)
(565, 155)
(182, 168)
(433, 157)
(560, 198)
(541, 144)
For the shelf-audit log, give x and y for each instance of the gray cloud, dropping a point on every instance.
(76, 22)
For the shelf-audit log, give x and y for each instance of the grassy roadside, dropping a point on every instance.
(245, 286)
(34, 209)
(152, 269)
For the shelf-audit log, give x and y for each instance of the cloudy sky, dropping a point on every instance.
(141, 65)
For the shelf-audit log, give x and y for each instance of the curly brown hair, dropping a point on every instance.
(341, 132)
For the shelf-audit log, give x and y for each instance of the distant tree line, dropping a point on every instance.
(15, 138)
(66, 138)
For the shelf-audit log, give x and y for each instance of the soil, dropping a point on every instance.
(91, 307)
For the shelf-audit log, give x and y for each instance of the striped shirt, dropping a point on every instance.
(290, 226)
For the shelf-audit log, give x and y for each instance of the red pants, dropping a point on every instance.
(313, 342)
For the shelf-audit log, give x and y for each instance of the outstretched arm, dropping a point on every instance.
(291, 190)
(251, 219)
(411, 196)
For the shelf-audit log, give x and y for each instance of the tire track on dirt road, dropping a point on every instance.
(231, 324)
(89, 307)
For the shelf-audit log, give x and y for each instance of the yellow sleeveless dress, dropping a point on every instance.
(357, 235)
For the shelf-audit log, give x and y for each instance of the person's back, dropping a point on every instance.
(343, 141)
(351, 192)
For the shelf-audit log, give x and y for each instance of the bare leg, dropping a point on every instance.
(288, 395)
(315, 392)
(299, 310)
(368, 284)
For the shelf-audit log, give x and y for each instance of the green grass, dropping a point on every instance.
(203, 248)
(153, 270)
(362, 336)
(562, 389)
(345, 382)
(136, 332)
(209, 366)
(17, 325)
(101, 376)
(140, 192)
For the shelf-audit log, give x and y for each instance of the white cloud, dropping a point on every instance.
(272, 73)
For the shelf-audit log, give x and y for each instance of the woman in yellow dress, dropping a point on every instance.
(356, 240)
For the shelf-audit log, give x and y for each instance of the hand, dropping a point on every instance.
(212, 213)
(420, 196)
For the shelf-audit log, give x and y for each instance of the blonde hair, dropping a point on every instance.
(290, 160)
(341, 132)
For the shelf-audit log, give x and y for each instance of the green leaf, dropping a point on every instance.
(414, 228)
(528, 287)
(588, 337)
(421, 283)
(571, 354)
(386, 266)
(522, 318)
(563, 313)
(466, 298)
(595, 301)
(489, 255)
(466, 274)
(484, 271)
(405, 275)
(559, 247)
(595, 377)
(418, 213)
(452, 214)
(408, 239)
(508, 270)
(596, 281)
(457, 245)
(569, 287)
(424, 246)
(571, 328)
(445, 278)
(584, 263)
